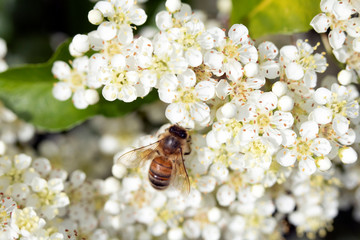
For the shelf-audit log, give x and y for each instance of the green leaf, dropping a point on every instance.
(263, 17)
(27, 91)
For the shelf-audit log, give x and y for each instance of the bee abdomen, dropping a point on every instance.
(160, 173)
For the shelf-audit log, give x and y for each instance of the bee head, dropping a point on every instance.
(178, 131)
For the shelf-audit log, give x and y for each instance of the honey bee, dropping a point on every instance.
(167, 159)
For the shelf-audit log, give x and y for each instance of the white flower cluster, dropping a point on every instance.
(268, 144)
(342, 18)
(31, 193)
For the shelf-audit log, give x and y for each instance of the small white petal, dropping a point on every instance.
(228, 110)
(282, 120)
(213, 59)
(323, 163)
(336, 38)
(225, 195)
(222, 89)
(267, 101)
(211, 140)
(79, 99)
(61, 91)
(118, 61)
(148, 78)
(356, 44)
(286, 103)
(199, 111)
(175, 112)
(137, 16)
(320, 23)
(342, 10)
(107, 30)
(81, 43)
(91, 96)
(348, 138)
(173, 5)
(95, 17)
(192, 229)
(211, 232)
(233, 70)
(347, 155)
(289, 137)
(175, 234)
(322, 115)
(187, 78)
(285, 157)
(294, 71)
(110, 92)
(345, 77)
(353, 27)
(310, 79)
(206, 40)
(61, 70)
(320, 146)
(193, 57)
(270, 69)
(164, 20)
(205, 90)
(322, 95)
(125, 34)
(307, 166)
(290, 52)
(267, 50)
(38, 184)
(238, 33)
(127, 93)
(340, 124)
(106, 8)
(255, 82)
(251, 69)
(285, 203)
(309, 130)
(279, 88)
(327, 5)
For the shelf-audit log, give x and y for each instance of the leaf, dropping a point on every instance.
(27, 91)
(263, 17)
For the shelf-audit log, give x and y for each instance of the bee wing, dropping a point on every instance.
(138, 156)
(180, 178)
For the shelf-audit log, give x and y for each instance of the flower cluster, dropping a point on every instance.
(342, 18)
(269, 146)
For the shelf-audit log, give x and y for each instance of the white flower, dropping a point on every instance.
(118, 14)
(74, 81)
(262, 115)
(7, 208)
(187, 99)
(299, 66)
(48, 196)
(305, 149)
(27, 222)
(230, 51)
(336, 105)
(269, 67)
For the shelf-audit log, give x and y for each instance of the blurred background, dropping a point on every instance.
(33, 29)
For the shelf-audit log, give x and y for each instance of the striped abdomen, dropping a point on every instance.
(160, 172)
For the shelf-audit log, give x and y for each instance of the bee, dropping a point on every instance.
(167, 159)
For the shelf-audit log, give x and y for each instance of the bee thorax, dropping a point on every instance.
(171, 145)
